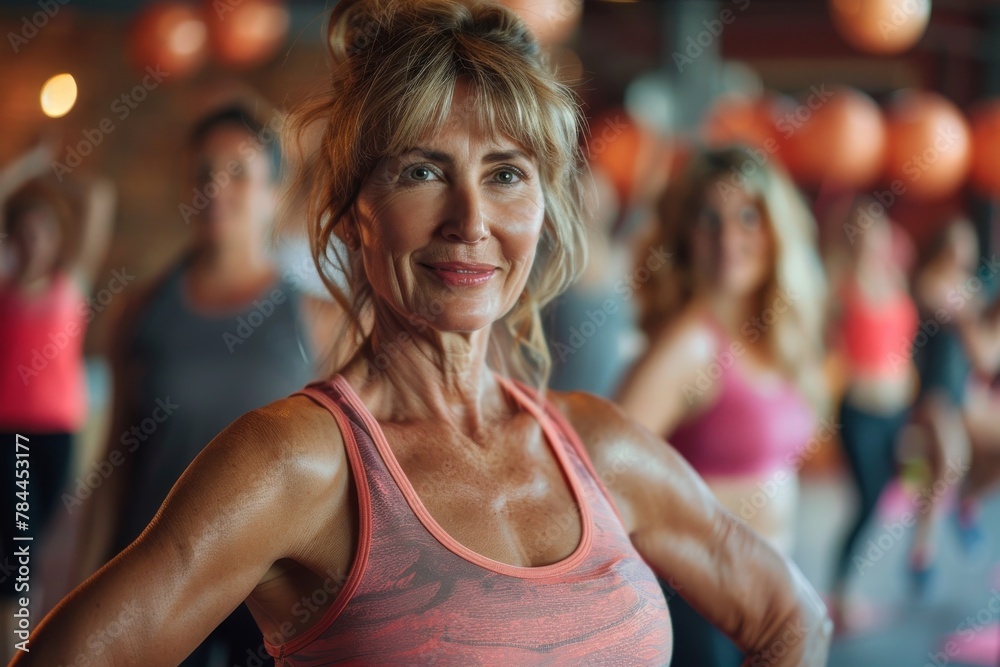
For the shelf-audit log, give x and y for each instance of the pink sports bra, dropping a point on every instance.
(749, 429)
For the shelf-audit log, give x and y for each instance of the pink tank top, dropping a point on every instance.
(414, 595)
(41, 353)
(749, 430)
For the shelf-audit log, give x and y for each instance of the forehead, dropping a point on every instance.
(461, 129)
(720, 193)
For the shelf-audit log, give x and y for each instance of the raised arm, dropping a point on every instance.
(240, 506)
(717, 564)
(97, 210)
(32, 164)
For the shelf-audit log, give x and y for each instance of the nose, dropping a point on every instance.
(465, 217)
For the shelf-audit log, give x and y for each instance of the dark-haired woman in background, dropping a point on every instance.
(873, 323)
(218, 334)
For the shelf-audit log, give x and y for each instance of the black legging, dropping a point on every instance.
(869, 442)
(697, 643)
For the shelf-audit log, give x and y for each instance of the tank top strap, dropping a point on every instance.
(567, 433)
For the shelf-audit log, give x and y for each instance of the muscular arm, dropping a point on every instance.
(250, 498)
(721, 567)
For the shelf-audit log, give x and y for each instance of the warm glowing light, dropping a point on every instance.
(58, 95)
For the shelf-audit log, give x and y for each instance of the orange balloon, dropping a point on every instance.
(169, 36)
(929, 145)
(834, 136)
(738, 119)
(634, 157)
(882, 27)
(550, 21)
(985, 122)
(246, 33)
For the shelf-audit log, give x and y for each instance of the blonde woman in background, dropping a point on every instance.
(732, 375)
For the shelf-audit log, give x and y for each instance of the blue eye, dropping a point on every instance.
(507, 176)
(421, 174)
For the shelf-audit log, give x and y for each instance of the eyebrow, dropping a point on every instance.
(444, 158)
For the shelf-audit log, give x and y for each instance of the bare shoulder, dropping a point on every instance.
(640, 470)
(276, 469)
(293, 434)
(689, 339)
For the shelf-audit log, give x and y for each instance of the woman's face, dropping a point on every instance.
(234, 193)
(448, 230)
(36, 238)
(731, 243)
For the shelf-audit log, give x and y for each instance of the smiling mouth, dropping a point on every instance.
(461, 274)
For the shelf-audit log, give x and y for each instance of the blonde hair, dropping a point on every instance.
(795, 339)
(395, 66)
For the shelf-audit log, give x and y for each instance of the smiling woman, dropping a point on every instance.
(431, 500)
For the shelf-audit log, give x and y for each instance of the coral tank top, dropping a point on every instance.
(415, 596)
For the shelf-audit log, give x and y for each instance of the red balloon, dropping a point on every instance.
(550, 21)
(985, 122)
(929, 145)
(169, 36)
(246, 33)
(834, 136)
(882, 27)
(738, 119)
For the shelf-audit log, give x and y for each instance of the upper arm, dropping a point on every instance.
(250, 498)
(97, 217)
(715, 562)
(662, 387)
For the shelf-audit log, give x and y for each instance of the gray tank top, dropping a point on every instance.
(197, 374)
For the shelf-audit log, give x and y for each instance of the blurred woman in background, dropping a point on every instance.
(873, 321)
(219, 334)
(732, 375)
(52, 250)
(959, 335)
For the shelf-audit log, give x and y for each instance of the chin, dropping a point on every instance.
(459, 318)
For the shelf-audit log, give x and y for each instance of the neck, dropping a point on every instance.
(733, 311)
(240, 260)
(413, 373)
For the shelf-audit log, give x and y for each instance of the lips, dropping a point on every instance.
(460, 274)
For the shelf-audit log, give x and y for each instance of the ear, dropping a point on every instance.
(349, 231)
